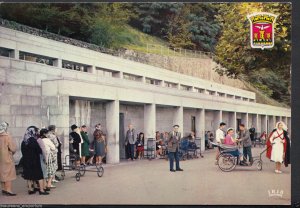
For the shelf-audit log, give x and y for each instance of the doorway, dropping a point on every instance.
(121, 136)
(238, 122)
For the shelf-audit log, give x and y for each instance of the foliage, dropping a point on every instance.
(234, 52)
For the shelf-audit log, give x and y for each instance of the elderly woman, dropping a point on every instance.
(278, 146)
(7, 165)
(32, 169)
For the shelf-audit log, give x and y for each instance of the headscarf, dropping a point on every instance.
(30, 132)
(283, 124)
(3, 127)
(228, 130)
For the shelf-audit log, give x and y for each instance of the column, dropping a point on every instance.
(162, 83)
(55, 111)
(178, 118)
(271, 122)
(57, 63)
(217, 119)
(289, 126)
(92, 69)
(143, 79)
(149, 120)
(112, 128)
(200, 126)
(245, 120)
(264, 123)
(258, 124)
(232, 120)
(14, 54)
(284, 119)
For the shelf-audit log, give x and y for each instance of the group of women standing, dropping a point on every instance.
(41, 150)
(41, 158)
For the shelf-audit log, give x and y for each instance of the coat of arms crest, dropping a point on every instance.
(262, 29)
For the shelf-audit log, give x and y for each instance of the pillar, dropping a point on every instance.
(289, 126)
(217, 119)
(264, 123)
(178, 118)
(14, 54)
(284, 119)
(200, 126)
(112, 128)
(57, 63)
(149, 120)
(258, 124)
(245, 120)
(272, 122)
(55, 111)
(232, 121)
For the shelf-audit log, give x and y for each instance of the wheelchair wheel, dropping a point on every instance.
(77, 176)
(226, 162)
(100, 171)
(63, 174)
(259, 165)
(82, 170)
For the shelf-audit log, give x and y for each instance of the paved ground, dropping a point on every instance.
(150, 182)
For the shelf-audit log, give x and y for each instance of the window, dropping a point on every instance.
(170, 84)
(36, 58)
(237, 97)
(186, 88)
(107, 72)
(251, 100)
(131, 77)
(230, 96)
(245, 99)
(221, 94)
(199, 90)
(211, 92)
(5, 52)
(153, 81)
(74, 66)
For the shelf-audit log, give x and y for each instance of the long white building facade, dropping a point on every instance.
(45, 82)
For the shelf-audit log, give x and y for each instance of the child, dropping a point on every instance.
(140, 145)
(100, 147)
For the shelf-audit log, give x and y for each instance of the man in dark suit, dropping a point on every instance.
(173, 148)
(129, 142)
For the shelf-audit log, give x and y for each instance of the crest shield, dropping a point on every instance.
(262, 30)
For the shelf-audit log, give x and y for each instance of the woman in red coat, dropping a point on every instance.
(278, 146)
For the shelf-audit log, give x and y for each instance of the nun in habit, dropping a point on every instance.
(278, 146)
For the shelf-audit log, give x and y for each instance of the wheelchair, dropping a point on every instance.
(228, 162)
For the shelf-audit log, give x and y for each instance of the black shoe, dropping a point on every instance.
(243, 164)
(6, 193)
(57, 178)
(47, 189)
(172, 170)
(31, 192)
(43, 193)
(179, 169)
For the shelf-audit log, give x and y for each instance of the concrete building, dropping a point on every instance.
(46, 82)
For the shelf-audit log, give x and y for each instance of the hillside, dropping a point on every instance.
(138, 50)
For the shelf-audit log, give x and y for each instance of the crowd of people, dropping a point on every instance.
(278, 144)
(41, 150)
(134, 145)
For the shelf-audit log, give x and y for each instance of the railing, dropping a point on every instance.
(167, 51)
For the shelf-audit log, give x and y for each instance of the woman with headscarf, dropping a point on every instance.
(50, 157)
(7, 165)
(31, 151)
(54, 138)
(278, 146)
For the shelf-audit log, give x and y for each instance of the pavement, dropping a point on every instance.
(151, 182)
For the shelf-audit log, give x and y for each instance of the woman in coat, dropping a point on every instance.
(85, 152)
(7, 165)
(278, 146)
(57, 143)
(32, 170)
